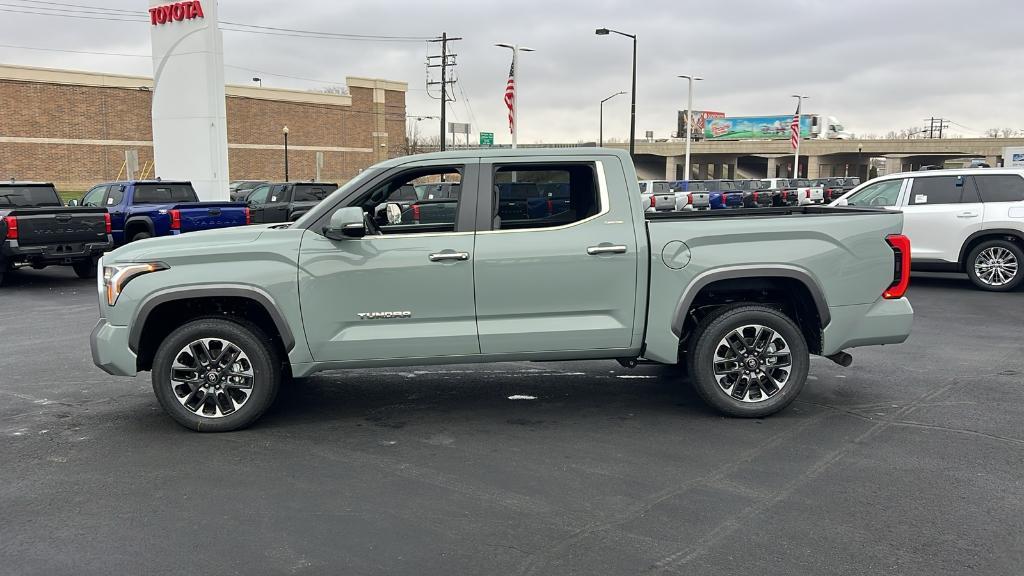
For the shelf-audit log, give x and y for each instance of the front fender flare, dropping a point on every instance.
(734, 272)
(208, 291)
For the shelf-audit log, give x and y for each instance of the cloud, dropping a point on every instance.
(877, 65)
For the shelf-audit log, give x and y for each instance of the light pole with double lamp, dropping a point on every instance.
(689, 122)
(600, 133)
(632, 92)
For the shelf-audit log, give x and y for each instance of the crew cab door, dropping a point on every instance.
(403, 293)
(559, 281)
(939, 213)
(275, 209)
(256, 200)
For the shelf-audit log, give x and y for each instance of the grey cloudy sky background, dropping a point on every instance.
(876, 65)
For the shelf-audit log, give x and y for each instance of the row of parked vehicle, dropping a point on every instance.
(38, 230)
(686, 195)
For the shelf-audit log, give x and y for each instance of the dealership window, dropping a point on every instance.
(1000, 187)
(544, 195)
(420, 200)
(929, 190)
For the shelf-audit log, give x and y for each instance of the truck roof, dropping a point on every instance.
(25, 183)
(588, 151)
(148, 182)
(956, 172)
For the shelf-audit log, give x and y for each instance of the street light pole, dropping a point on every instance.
(601, 124)
(285, 132)
(632, 93)
(258, 80)
(689, 122)
(860, 149)
(796, 153)
(515, 48)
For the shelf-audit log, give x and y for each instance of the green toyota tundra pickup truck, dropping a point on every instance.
(386, 272)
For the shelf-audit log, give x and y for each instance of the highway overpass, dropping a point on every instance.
(818, 158)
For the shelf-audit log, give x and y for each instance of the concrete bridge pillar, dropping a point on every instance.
(992, 161)
(893, 164)
(813, 166)
(671, 167)
(771, 168)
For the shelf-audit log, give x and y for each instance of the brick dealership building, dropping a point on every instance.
(73, 128)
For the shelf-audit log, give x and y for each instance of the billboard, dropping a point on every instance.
(1013, 157)
(700, 118)
(755, 127)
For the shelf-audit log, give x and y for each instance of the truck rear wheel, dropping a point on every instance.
(216, 375)
(748, 360)
(140, 236)
(85, 268)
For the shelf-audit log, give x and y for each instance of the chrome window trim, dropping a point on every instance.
(602, 187)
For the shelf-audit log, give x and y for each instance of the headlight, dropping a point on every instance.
(116, 276)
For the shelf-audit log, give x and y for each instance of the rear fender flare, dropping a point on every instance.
(734, 272)
(139, 220)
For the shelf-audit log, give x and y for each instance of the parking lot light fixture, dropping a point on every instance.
(285, 132)
(258, 80)
(632, 92)
(600, 133)
(689, 121)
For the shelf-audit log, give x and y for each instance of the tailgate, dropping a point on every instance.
(665, 202)
(211, 215)
(42, 226)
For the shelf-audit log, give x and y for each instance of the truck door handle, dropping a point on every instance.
(443, 256)
(967, 215)
(595, 250)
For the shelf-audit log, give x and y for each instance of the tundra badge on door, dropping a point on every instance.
(380, 315)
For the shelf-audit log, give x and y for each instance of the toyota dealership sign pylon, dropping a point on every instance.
(190, 138)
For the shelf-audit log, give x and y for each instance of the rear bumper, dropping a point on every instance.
(55, 253)
(110, 351)
(882, 322)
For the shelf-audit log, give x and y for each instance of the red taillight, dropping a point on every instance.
(248, 217)
(551, 208)
(653, 201)
(689, 198)
(12, 227)
(175, 219)
(900, 245)
(416, 212)
(106, 221)
(808, 192)
(755, 195)
(11, 222)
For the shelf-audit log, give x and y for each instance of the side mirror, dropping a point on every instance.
(73, 202)
(346, 223)
(394, 213)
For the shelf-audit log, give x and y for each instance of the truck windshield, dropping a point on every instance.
(29, 196)
(164, 193)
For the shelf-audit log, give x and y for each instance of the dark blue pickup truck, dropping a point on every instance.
(146, 208)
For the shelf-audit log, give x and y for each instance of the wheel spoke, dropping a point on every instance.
(739, 391)
(200, 352)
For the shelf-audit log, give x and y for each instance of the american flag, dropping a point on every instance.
(794, 128)
(510, 96)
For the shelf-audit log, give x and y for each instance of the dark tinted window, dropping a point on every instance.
(312, 193)
(694, 186)
(941, 190)
(1000, 187)
(164, 193)
(29, 196)
(544, 195)
(115, 196)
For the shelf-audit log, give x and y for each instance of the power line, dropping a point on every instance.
(340, 35)
(76, 51)
(69, 15)
(134, 12)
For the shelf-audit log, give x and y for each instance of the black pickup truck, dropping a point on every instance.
(286, 201)
(37, 230)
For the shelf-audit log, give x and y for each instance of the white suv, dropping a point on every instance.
(969, 220)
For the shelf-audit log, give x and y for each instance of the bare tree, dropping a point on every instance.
(1009, 132)
(335, 90)
(992, 133)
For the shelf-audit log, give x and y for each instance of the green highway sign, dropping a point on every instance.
(487, 138)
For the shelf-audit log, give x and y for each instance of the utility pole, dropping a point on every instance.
(447, 60)
(936, 126)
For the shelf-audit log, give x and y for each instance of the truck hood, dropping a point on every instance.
(193, 242)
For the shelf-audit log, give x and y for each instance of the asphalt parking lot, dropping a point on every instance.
(909, 462)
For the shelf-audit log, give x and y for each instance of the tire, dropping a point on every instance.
(741, 323)
(85, 268)
(140, 236)
(994, 265)
(258, 364)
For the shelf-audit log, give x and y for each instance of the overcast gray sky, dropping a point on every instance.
(876, 65)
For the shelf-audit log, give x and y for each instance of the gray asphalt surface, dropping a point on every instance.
(909, 462)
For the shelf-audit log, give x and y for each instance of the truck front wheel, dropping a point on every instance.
(215, 374)
(748, 360)
(85, 268)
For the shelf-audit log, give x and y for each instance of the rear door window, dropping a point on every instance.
(164, 193)
(545, 194)
(941, 190)
(1000, 187)
(312, 193)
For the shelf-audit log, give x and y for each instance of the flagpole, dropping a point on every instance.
(796, 152)
(515, 83)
